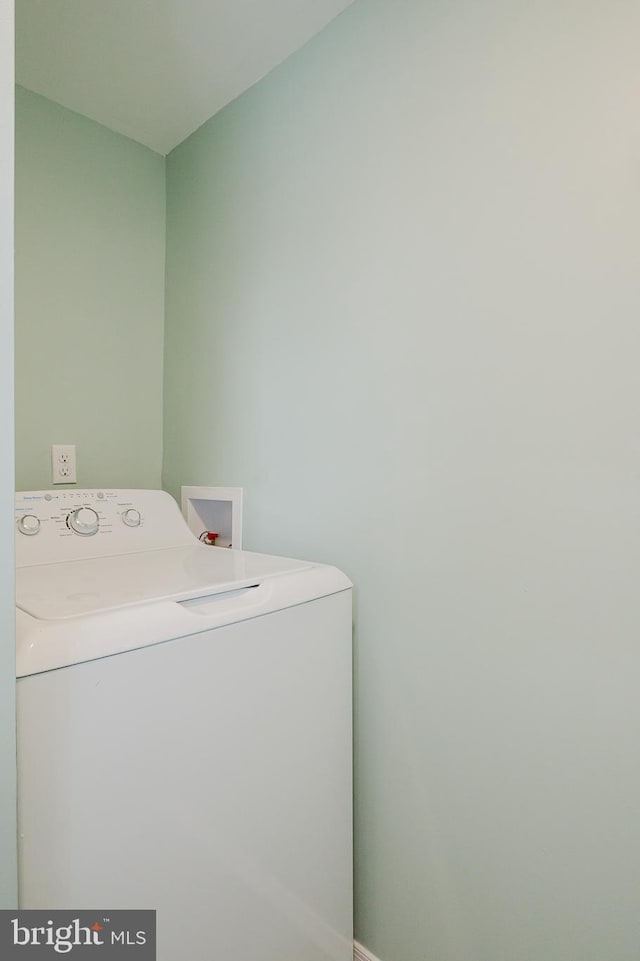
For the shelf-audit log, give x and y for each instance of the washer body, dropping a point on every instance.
(184, 732)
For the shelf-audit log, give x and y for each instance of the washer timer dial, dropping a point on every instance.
(83, 521)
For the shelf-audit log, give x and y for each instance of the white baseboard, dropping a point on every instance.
(360, 953)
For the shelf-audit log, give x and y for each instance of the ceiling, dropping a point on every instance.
(155, 70)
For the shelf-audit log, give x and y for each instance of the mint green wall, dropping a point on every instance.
(8, 878)
(90, 220)
(402, 313)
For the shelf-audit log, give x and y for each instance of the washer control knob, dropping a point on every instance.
(84, 521)
(131, 517)
(28, 524)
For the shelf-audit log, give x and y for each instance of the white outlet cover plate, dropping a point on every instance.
(63, 463)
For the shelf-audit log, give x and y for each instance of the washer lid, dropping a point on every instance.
(97, 585)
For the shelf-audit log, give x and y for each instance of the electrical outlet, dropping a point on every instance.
(63, 463)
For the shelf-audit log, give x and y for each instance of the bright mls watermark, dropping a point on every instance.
(80, 934)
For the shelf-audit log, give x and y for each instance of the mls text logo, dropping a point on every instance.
(41, 934)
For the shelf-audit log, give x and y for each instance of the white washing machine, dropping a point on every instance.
(184, 730)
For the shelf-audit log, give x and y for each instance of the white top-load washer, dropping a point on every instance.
(184, 730)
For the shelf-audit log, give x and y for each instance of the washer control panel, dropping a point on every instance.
(55, 526)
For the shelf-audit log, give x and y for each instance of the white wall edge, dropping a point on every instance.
(360, 953)
(8, 832)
